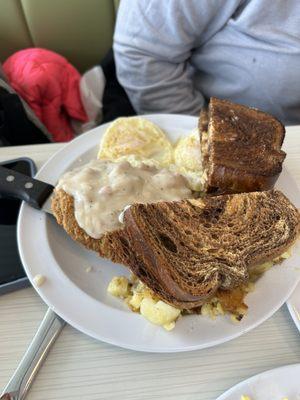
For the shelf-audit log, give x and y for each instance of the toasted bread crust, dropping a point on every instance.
(224, 236)
(212, 220)
(233, 180)
(243, 151)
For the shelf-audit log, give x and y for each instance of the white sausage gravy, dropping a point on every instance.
(101, 190)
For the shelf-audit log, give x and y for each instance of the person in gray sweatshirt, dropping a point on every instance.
(172, 55)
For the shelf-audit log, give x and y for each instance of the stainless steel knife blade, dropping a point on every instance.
(46, 207)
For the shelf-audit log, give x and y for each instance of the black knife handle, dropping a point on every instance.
(23, 187)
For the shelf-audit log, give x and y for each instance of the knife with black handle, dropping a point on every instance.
(34, 192)
(38, 195)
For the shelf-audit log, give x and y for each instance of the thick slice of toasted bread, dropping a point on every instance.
(241, 148)
(185, 251)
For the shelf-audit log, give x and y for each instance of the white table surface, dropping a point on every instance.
(79, 367)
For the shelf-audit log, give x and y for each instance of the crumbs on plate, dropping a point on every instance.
(39, 280)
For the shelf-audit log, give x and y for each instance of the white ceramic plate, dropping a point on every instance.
(293, 304)
(81, 298)
(276, 384)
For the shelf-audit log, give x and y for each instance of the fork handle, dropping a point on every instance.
(49, 329)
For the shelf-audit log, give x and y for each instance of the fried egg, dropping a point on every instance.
(135, 136)
(187, 160)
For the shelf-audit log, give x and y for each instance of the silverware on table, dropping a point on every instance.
(21, 381)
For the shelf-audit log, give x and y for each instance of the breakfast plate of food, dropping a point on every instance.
(167, 233)
(280, 383)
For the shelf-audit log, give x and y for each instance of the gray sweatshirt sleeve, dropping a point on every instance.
(153, 43)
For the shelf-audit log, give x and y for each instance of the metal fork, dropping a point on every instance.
(21, 381)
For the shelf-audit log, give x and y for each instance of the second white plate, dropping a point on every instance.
(276, 384)
(81, 298)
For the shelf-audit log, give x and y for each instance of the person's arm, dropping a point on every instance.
(153, 42)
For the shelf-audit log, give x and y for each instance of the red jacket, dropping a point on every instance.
(50, 85)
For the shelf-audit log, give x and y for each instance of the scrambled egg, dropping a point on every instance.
(141, 299)
(135, 136)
